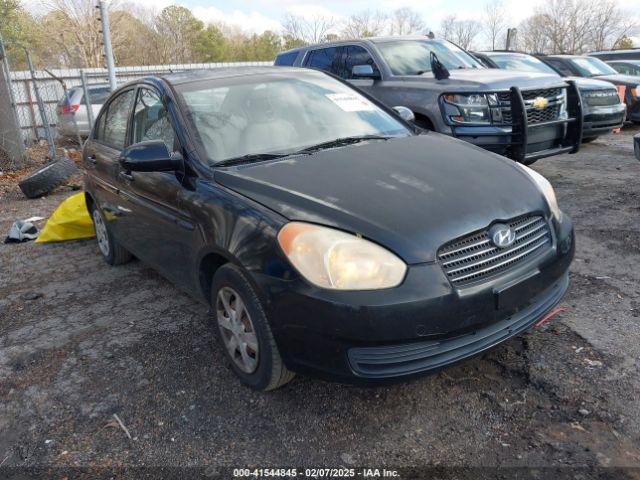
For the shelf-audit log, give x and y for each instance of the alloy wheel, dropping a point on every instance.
(237, 330)
(101, 232)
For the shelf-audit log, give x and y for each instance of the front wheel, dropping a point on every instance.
(243, 331)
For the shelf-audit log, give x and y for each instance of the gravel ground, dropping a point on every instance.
(81, 341)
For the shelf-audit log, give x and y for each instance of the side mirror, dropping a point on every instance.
(149, 156)
(405, 113)
(364, 71)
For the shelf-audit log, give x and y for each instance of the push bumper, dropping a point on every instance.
(421, 326)
(524, 141)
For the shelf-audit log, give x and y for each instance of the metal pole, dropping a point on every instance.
(106, 38)
(87, 100)
(43, 113)
(10, 133)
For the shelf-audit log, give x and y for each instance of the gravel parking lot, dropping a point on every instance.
(81, 341)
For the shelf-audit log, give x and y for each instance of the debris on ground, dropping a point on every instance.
(22, 231)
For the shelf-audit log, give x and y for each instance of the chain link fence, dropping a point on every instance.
(37, 96)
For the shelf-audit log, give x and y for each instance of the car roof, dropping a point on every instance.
(504, 52)
(227, 72)
(371, 40)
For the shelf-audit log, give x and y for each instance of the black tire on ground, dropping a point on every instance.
(112, 252)
(588, 140)
(270, 372)
(47, 178)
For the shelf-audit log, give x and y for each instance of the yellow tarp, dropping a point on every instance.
(70, 221)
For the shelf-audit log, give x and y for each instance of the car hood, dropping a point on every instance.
(489, 79)
(410, 195)
(590, 83)
(620, 79)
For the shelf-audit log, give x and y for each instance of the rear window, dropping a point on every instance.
(286, 59)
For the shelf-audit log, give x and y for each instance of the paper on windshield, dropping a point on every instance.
(350, 102)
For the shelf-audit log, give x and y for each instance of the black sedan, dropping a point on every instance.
(591, 67)
(327, 236)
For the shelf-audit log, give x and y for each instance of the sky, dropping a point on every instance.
(256, 16)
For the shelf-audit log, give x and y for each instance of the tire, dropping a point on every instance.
(47, 178)
(269, 371)
(112, 252)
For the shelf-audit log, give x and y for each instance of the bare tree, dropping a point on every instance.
(495, 21)
(367, 23)
(74, 27)
(609, 24)
(405, 21)
(576, 26)
(460, 32)
(312, 29)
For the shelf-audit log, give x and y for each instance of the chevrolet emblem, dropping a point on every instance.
(540, 102)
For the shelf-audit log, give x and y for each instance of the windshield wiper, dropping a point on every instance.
(250, 157)
(339, 142)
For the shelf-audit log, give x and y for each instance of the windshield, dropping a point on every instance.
(413, 57)
(522, 62)
(279, 113)
(592, 67)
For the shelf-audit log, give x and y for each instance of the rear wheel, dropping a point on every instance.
(243, 331)
(111, 250)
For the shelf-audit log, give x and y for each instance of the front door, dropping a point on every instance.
(154, 223)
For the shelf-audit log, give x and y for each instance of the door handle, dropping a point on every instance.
(92, 159)
(126, 176)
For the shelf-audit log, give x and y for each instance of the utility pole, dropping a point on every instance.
(11, 141)
(511, 34)
(106, 39)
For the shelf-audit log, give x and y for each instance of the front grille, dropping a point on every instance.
(534, 115)
(546, 114)
(474, 257)
(547, 93)
(602, 98)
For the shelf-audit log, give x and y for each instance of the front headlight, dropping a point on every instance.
(469, 108)
(333, 259)
(547, 190)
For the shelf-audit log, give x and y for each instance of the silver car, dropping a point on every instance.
(72, 109)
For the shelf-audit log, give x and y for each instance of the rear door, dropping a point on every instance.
(328, 59)
(101, 156)
(156, 227)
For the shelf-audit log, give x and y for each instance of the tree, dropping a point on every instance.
(17, 27)
(367, 23)
(178, 31)
(460, 32)
(212, 45)
(624, 43)
(405, 21)
(313, 29)
(495, 22)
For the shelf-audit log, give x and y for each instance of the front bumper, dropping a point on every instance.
(332, 334)
(602, 120)
(526, 142)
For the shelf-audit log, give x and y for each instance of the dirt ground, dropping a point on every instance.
(81, 341)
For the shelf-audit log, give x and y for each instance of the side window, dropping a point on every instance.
(116, 120)
(286, 59)
(151, 119)
(327, 59)
(356, 55)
